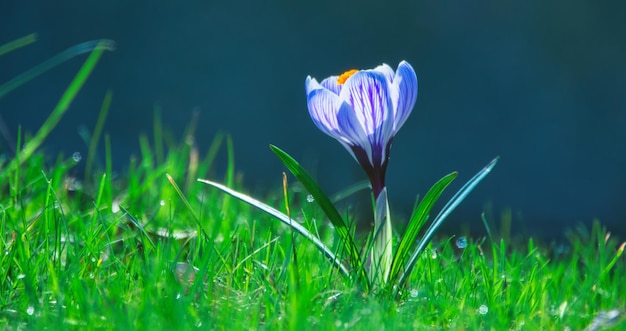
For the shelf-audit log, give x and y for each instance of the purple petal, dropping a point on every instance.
(405, 83)
(311, 84)
(368, 94)
(331, 84)
(324, 107)
(386, 70)
(352, 129)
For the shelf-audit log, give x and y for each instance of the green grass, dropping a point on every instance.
(152, 248)
(74, 258)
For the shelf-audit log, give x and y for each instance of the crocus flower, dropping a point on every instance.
(363, 110)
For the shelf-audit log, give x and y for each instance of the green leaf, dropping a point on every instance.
(443, 214)
(419, 217)
(283, 218)
(329, 209)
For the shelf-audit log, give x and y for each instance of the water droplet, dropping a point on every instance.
(483, 309)
(310, 198)
(433, 254)
(30, 310)
(115, 206)
(561, 250)
(461, 242)
(414, 293)
(21, 276)
(76, 157)
(162, 203)
(73, 184)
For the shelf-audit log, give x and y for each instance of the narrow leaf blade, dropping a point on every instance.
(283, 218)
(445, 212)
(327, 206)
(419, 217)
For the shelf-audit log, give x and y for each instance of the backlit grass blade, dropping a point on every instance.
(18, 43)
(327, 206)
(350, 190)
(183, 198)
(610, 265)
(94, 46)
(137, 224)
(97, 132)
(447, 209)
(230, 173)
(283, 218)
(65, 101)
(419, 217)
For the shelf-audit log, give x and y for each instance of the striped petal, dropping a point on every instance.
(351, 128)
(367, 92)
(331, 84)
(311, 84)
(323, 108)
(386, 70)
(405, 83)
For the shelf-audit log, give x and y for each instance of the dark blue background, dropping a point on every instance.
(541, 84)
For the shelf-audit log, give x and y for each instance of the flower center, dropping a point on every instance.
(344, 77)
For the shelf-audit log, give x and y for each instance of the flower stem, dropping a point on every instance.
(382, 250)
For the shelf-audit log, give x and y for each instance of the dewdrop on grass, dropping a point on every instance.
(461, 242)
(483, 309)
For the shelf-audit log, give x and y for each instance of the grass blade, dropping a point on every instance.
(329, 209)
(352, 189)
(283, 218)
(94, 46)
(97, 132)
(182, 197)
(419, 217)
(18, 43)
(447, 209)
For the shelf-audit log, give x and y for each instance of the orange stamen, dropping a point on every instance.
(344, 77)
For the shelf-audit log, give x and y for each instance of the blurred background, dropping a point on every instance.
(540, 84)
